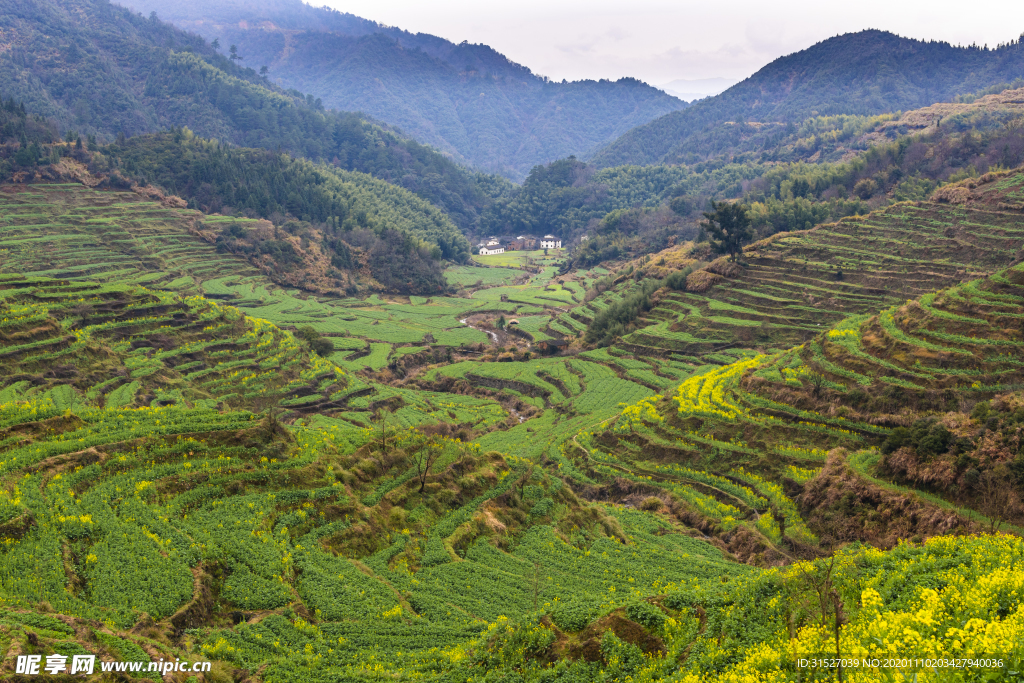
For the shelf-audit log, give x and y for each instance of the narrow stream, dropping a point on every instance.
(495, 338)
(488, 332)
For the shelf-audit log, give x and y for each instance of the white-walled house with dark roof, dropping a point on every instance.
(491, 247)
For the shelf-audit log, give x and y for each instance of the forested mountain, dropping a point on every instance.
(467, 100)
(102, 70)
(792, 176)
(864, 73)
(329, 231)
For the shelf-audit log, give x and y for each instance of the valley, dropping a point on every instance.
(421, 456)
(265, 406)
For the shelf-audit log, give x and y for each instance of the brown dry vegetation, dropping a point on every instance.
(841, 507)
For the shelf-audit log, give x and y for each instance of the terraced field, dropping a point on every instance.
(73, 232)
(468, 276)
(792, 285)
(182, 517)
(70, 231)
(897, 393)
(117, 346)
(183, 479)
(120, 238)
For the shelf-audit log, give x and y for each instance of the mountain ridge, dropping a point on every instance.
(869, 72)
(466, 99)
(102, 71)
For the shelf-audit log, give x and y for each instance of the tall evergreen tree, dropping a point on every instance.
(729, 228)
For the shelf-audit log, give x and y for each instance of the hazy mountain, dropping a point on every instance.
(102, 70)
(688, 89)
(467, 100)
(869, 72)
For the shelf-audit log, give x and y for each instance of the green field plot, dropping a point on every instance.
(394, 321)
(534, 325)
(549, 378)
(469, 276)
(376, 359)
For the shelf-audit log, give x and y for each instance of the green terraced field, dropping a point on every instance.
(755, 419)
(469, 276)
(791, 285)
(182, 478)
(120, 237)
(75, 232)
(288, 538)
(126, 346)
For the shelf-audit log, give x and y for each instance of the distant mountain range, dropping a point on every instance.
(104, 71)
(466, 100)
(688, 89)
(869, 72)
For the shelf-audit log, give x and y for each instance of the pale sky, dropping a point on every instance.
(661, 40)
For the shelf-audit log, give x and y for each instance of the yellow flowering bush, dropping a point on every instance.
(641, 412)
(707, 394)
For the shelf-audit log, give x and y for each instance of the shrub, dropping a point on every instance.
(651, 504)
(926, 436)
(865, 188)
(646, 614)
(574, 615)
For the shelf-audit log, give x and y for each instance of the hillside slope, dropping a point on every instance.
(366, 234)
(924, 395)
(467, 100)
(101, 70)
(870, 72)
(298, 553)
(788, 286)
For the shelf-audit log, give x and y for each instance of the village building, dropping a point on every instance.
(550, 242)
(522, 243)
(491, 247)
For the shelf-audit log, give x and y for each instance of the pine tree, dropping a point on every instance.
(729, 228)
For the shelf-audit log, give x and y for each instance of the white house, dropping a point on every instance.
(491, 247)
(550, 242)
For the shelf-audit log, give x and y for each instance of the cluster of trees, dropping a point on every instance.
(16, 125)
(320, 345)
(23, 138)
(567, 196)
(797, 196)
(398, 261)
(401, 263)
